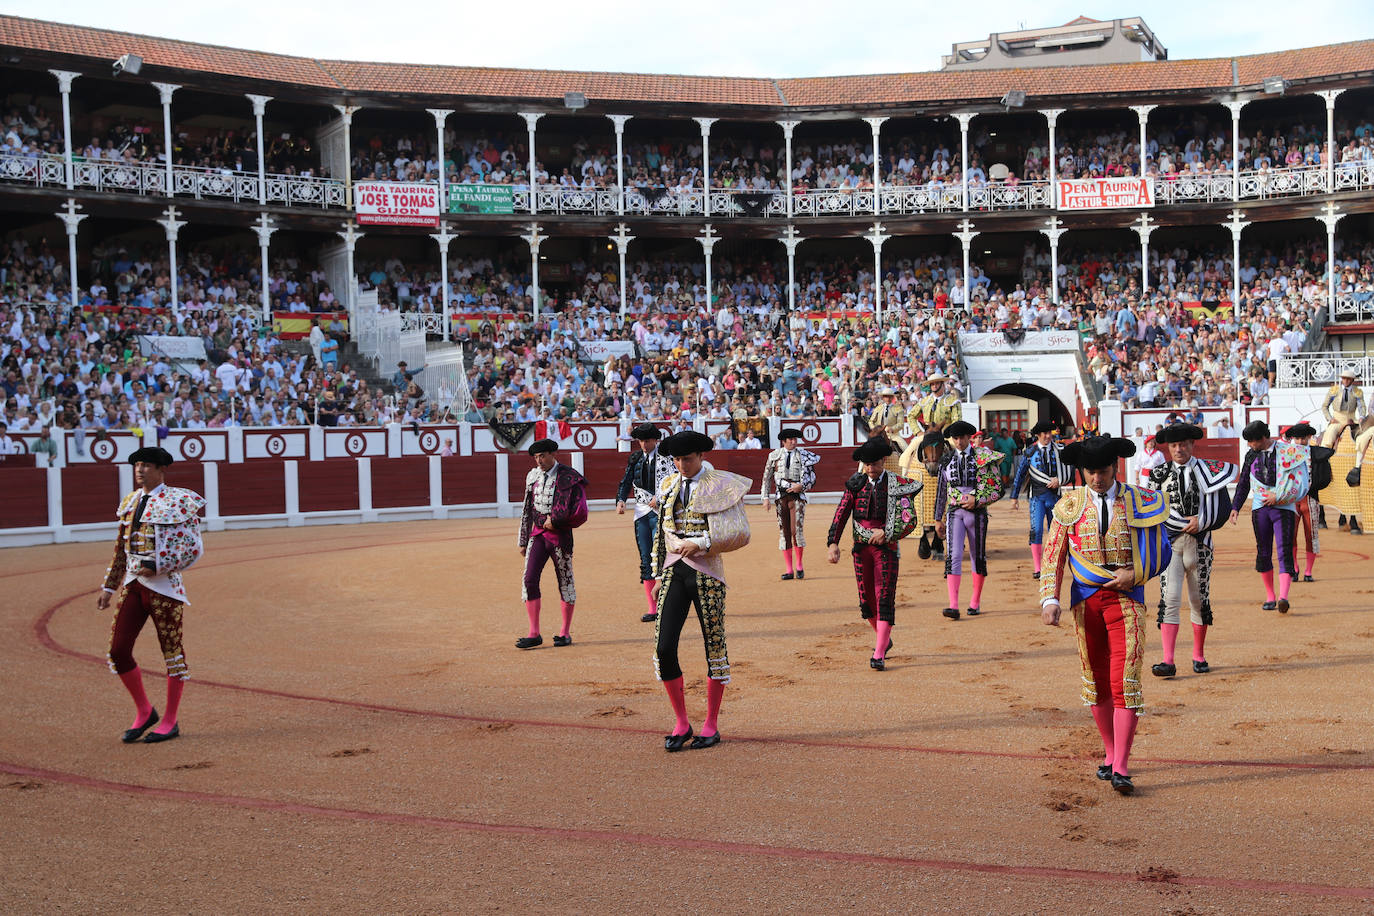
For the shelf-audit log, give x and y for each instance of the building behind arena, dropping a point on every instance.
(282, 181)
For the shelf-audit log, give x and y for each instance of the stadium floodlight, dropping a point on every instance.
(1016, 98)
(1275, 85)
(129, 63)
(574, 100)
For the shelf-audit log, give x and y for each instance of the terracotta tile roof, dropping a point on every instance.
(932, 88)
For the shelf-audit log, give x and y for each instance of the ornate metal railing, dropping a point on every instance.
(664, 202)
(921, 199)
(1315, 370)
(427, 322)
(1351, 310)
(1186, 189)
(187, 181)
(1295, 182)
(596, 201)
(1354, 176)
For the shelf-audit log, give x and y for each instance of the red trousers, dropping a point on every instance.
(1109, 658)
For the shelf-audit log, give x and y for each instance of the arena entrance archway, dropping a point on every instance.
(1020, 405)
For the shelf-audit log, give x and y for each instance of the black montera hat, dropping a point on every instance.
(543, 445)
(687, 442)
(1097, 452)
(152, 454)
(873, 451)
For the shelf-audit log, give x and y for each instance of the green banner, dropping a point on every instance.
(481, 198)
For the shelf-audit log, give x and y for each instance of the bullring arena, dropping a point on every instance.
(359, 730)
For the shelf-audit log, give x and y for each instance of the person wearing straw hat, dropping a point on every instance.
(555, 503)
(644, 474)
(790, 473)
(888, 419)
(1044, 470)
(1106, 539)
(937, 409)
(1199, 503)
(1274, 475)
(1344, 407)
(969, 483)
(158, 539)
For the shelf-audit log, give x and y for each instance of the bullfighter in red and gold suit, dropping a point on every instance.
(1108, 539)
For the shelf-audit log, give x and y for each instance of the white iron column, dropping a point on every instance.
(350, 237)
(619, 121)
(877, 125)
(708, 239)
(259, 109)
(787, 128)
(346, 113)
(1236, 224)
(876, 237)
(534, 240)
(71, 219)
(441, 119)
(1054, 228)
(705, 125)
(1144, 227)
(444, 237)
(531, 119)
(966, 235)
(1331, 215)
(622, 239)
(264, 229)
(1052, 116)
(64, 85)
(172, 225)
(165, 90)
(964, 118)
(1330, 95)
(1235, 148)
(790, 241)
(1142, 113)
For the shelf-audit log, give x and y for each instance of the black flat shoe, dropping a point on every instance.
(1308, 579)
(973, 612)
(700, 742)
(562, 640)
(529, 642)
(1163, 670)
(788, 577)
(133, 734)
(1122, 784)
(1104, 771)
(951, 612)
(1201, 667)
(1283, 605)
(1269, 605)
(877, 664)
(1036, 574)
(801, 574)
(673, 743)
(648, 618)
(155, 737)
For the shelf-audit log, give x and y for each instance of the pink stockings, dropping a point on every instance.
(1117, 728)
(677, 697)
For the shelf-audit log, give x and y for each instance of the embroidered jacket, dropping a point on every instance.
(886, 417)
(891, 501)
(1037, 469)
(712, 493)
(1076, 547)
(1198, 490)
(1282, 469)
(1347, 403)
(165, 542)
(985, 479)
(784, 468)
(568, 508)
(935, 411)
(644, 474)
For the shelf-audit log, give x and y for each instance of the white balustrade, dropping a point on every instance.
(424, 322)
(1354, 311)
(1317, 370)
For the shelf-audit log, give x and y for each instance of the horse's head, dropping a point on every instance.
(933, 448)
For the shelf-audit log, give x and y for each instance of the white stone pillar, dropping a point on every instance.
(1235, 107)
(440, 119)
(1054, 228)
(622, 239)
(1236, 224)
(350, 237)
(1144, 227)
(165, 90)
(619, 121)
(259, 109)
(966, 235)
(876, 125)
(790, 240)
(71, 219)
(64, 85)
(444, 238)
(1052, 116)
(1330, 96)
(1142, 113)
(787, 128)
(876, 237)
(172, 226)
(534, 240)
(964, 118)
(1331, 215)
(531, 119)
(708, 239)
(264, 229)
(705, 125)
(346, 113)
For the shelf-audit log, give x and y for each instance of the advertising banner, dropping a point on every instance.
(596, 351)
(173, 348)
(1104, 193)
(396, 203)
(481, 198)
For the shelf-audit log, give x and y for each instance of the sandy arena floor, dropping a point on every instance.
(361, 734)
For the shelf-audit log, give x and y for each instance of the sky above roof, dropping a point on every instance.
(766, 38)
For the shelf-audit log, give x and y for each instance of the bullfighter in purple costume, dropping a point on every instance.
(970, 481)
(555, 504)
(1279, 473)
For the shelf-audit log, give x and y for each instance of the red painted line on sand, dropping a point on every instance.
(720, 846)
